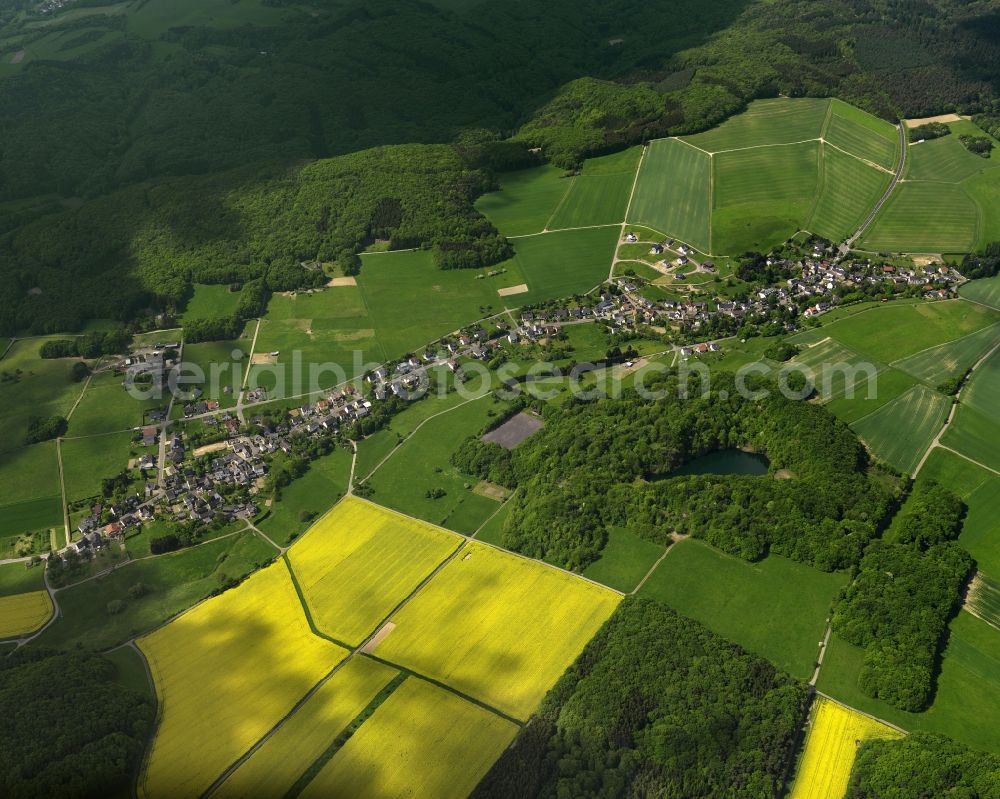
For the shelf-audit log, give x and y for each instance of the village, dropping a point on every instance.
(219, 477)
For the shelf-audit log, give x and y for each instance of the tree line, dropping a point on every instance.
(656, 705)
(906, 590)
(614, 461)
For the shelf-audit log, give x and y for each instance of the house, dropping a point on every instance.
(685, 352)
(149, 436)
(656, 249)
(631, 238)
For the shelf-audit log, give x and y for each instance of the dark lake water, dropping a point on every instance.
(726, 461)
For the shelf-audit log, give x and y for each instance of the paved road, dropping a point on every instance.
(892, 185)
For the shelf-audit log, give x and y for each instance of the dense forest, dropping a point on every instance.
(68, 728)
(612, 462)
(899, 605)
(923, 765)
(656, 705)
(144, 124)
(148, 244)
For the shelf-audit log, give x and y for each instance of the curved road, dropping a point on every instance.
(892, 185)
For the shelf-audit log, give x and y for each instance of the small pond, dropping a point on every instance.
(726, 461)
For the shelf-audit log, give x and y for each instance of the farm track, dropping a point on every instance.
(897, 177)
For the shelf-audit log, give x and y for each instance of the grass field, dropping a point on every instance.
(969, 678)
(87, 461)
(313, 493)
(173, 583)
(210, 302)
(29, 473)
(526, 200)
(887, 386)
(946, 159)
(560, 264)
(776, 608)
(273, 769)
(422, 741)
(925, 217)
(974, 435)
(984, 290)
(599, 195)
(410, 301)
(226, 672)
(761, 176)
(625, 559)
(106, 407)
(322, 327)
(16, 578)
(848, 190)
(983, 388)
(359, 561)
(900, 431)
(767, 122)
(954, 358)
(498, 627)
(229, 359)
(673, 193)
(851, 129)
(422, 465)
(983, 600)
(830, 748)
(947, 202)
(905, 329)
(22, 614)
(34, 386)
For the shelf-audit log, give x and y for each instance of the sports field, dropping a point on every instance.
(22, 614)
(225, 673)
(276, 766)
(422, 741)
(900, 432)
(835, 732)
(359, 561)
(776, 608)
(498, 627)
(674, 192)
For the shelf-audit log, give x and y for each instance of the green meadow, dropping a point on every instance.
(947, 202)
(18, 578)
(173, 583)
(625, 560)
(777, 608)
(526, 200)
(422, 465)
(952, 358)
(969, 678)
(984, 290)
(87, 461)
(900, 431)
(308, 497)
(106, 407)
(210, 302)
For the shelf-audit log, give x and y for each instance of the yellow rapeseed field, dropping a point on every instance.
(274, 768)
(226, 672)
(359, 561)
(498, 627)
(831, 746)
(422, 741)
(22, 614)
